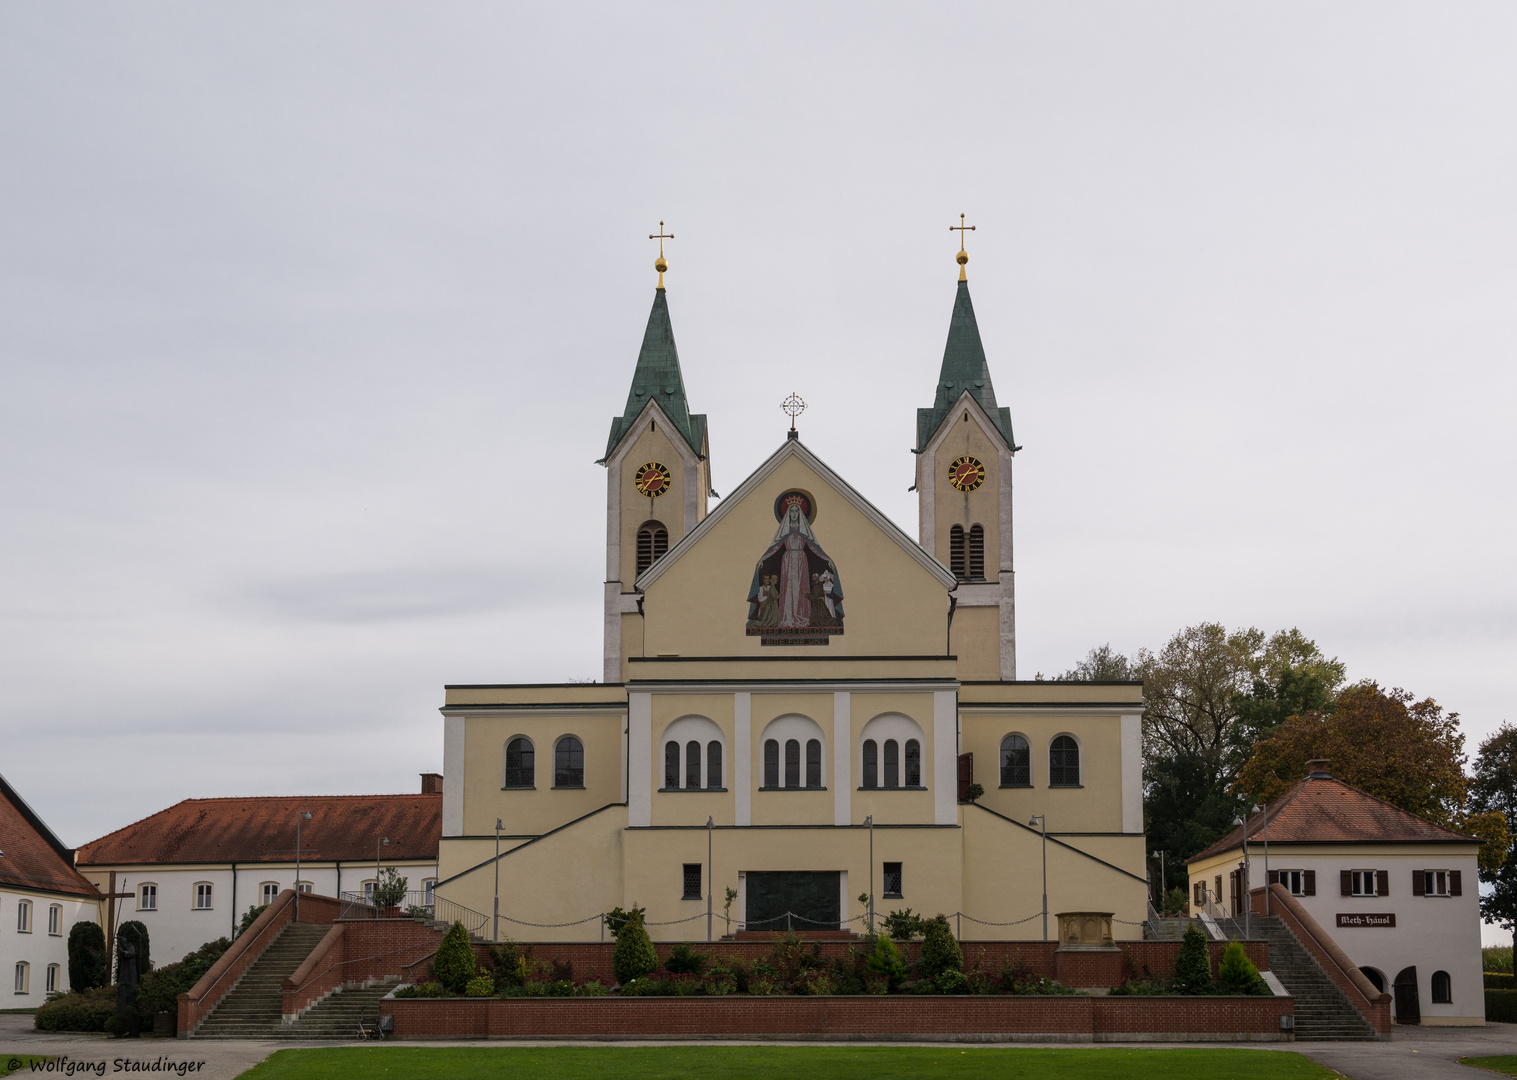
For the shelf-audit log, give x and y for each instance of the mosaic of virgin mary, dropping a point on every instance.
(796, 597)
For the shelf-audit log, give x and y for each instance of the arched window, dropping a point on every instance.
(792, 763)
(53, 972)
(652, 543)
(771, 763)
(813, 762)
(956, 551)
(1064, 763)
(1376, 979)
(671, 765)
(692, 764)
(1016, 762)
(713, 764)
(521, 764)
(1443, 988)
(913, 763)
(23, 974)
(24, 917)
(892, 763)
(569, 763)
(871, 764)
(977, 552)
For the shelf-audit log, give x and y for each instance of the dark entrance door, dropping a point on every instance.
(1408, 1008)
(810, 897)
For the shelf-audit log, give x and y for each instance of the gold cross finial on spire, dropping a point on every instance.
(793, 406)
(661, 264)
(963, 255)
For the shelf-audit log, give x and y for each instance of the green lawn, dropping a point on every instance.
(10, 1064)
(1501, 1063)
(767, 1062)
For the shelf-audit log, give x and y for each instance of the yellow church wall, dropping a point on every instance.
(637, 508)
(692, 807)
(1033, 693)
(820, 665)
(698, 606)
(976, 641)
(965, 508)
(898, 805)
(1095, 806)
(539, 809)
(534, 694)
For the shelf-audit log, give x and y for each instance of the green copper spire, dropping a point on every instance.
(658, 378)
(964, 368)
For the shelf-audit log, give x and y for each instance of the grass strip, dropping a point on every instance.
(17, 1063)
(1499, 1063)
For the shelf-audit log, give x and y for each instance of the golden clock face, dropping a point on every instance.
(966, 473)
(652, 479)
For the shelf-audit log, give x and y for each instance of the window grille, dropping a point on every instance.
(148, 898)
(977, 552)
(692, 881)
(652, 544)
(1064, 763)
(1443, 989)
(792, 763)
(892, 763)
(521, 764)
(1016, 762)
(569, 763)
(913, 763)
(713, 764)
(671, 765)
(956, 551)
(692, 764)
(771, 763)
(813, 762)
(892, 881)
(871, 764)
(203, 896)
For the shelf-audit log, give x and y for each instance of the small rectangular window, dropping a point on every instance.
(55, 921)
(268, 892)
(1293, 881)
(1435, 882)
(24, 917)
(147, 898)
(692, 881)
(203, 896)
(21, 973)
(426, 888)
(892, 881)
(52, 978)
(1362, 883)
(307, 886)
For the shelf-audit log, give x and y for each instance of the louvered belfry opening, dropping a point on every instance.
(956, 551)
(977, 552)
(652, 543)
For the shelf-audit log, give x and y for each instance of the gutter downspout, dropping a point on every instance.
(234, 900)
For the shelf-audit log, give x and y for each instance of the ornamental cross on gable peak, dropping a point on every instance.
(793, 406)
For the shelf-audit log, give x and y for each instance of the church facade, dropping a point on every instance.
(796, 697)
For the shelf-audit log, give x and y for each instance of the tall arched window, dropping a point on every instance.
(813, 762)
(1016, 762)
(913, 763)
(771, 763)
(692, 764)
(977, 552)
(1064, 763)
(956, 551)
(871, 764)
(792, 763)
(713, 764)
(652, 543)
(671, 765)
(569, 763)
(1443, 988)
(892, 763)
(521, 764)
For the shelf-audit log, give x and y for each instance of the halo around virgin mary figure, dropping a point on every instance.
(796, 597)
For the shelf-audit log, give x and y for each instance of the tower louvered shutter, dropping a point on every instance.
(977, 552)
(956, 551)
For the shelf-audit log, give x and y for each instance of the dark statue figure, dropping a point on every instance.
(127, 982)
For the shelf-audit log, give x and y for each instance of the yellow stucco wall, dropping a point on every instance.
(637, 509)
(976, 641)
(965, 508)
(1095, 806)
(535, 811)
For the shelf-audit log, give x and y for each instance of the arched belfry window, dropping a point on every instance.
(871, 777)
(693, 764)
(977, 552)
(956, 551)
(892, 763)
(521, 761)
(652, 543)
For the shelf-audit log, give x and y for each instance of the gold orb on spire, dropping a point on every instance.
(963, 256)
(661, 264)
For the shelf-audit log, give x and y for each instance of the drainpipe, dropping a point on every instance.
(234, 901)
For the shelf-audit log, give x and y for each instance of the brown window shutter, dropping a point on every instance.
(1309, 883)
(1382, 882)
(1456, 881)
(1346, 882)
(966, 775)
(1417, 883)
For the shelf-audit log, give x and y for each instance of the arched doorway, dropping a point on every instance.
(1376, 979)
(1408, 1008)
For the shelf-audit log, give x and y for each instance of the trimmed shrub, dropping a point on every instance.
(423, 990)
(940, 949)
(633, 956)
(761, 985)
(591, 988)
(86, 958)
(815, 982)
(508, 963)
(616, 918)
(1500, 1006)
(952, 982)
(455, 964)
(1237, 972)
(885, 962)
(136, 933)
(390, 889)
(683, 959)
(82, 1010)
(1498, 980)
(480, 986)
(903, 925)
(1193, 967)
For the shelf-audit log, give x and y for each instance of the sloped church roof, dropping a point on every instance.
(658, 378)
(964, 369)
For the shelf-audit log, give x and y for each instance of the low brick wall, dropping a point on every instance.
(357, 952)
(948, 1019)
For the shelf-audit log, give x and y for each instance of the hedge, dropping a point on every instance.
(82, 1010)
(1501, 1006)
(1499, 980)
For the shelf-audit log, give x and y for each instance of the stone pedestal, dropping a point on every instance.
(1087, 956)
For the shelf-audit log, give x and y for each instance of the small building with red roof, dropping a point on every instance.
(189, 873)
(42, 896)
(1399, 894)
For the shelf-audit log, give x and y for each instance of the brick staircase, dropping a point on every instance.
(1323, 1011)
(337, 1017)
(254, 1007)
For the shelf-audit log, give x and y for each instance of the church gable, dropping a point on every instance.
(795, 561)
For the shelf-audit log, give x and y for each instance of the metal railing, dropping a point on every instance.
(423, 905)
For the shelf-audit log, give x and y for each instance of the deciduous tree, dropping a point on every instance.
(1493, 790)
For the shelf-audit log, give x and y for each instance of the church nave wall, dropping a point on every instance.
(533, 805)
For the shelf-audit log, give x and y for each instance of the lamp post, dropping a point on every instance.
(1243, 884)
(1163, 883)
(495, 932)
(300, 815)
(378, 843)
(710, 876)
(1265, 828)
(870, 822)
(1042, 821)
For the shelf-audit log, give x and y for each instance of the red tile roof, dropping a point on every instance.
(262, 829)
(31, 857)
(1321, 810)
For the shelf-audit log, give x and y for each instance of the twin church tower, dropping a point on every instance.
(658, 489)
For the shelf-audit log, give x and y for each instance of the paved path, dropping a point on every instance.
(1421, 1053)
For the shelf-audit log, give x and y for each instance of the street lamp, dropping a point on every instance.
(1243, 884)
(870, 822)
(1265, 828)
(300, 815)
(710, 877)
(495, 934)
(1042, 821)
(379, 843)
(1163, 883)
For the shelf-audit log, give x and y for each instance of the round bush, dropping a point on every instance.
(940, 949)
(455, 964)
(480, 986)
(634, 955)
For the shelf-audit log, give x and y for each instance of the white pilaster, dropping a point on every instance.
(611, 667)
(1132, 773)
(945, 757)
(842, 762)
(453, 775)
(1008, 580)
(742, 758)
(640, 759)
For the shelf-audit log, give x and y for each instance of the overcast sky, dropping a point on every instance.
(313, 318)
